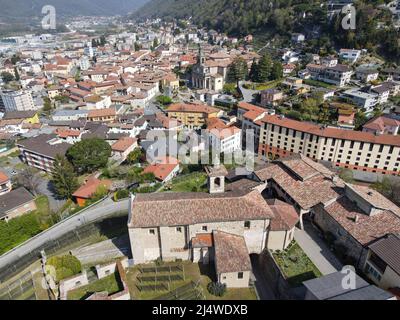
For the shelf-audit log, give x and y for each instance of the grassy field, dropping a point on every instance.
(263, 86)
(296, 266)
(193, 273)
(193, 182)
(111, 284)
(317, 83)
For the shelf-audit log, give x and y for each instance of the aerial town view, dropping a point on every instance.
(208, 150)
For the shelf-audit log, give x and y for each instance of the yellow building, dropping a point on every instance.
(192, 115)
(31, 116)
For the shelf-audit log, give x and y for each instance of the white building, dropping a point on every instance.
(17, 101)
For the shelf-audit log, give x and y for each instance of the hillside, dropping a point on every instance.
(283, 17)
(17, 9)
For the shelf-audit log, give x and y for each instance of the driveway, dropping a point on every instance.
(317, 250)
(247, 93)
(263, 288)
(45, 187)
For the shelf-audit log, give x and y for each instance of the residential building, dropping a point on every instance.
(123, 147)
(224, 138)
(5, 183)
(364, 151)
(17, 101)
(366, 101)
(382, 125)
(350, 55)
(192, 115)
(27, 117)
(16, 203)
(163, 168)
(102, 115)
(367, 75)
(382, 265)
(271, 97)
(89, 189)
(40, 151)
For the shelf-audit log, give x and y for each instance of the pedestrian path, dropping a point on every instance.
(317, 251)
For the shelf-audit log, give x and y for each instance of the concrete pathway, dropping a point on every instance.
(317, 250)
(248, 95)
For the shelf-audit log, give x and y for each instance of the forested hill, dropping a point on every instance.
(235, 16)
(283, 17)
(17, 9)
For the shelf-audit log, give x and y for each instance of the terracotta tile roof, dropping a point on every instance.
(101, 113)
(231, 254)
(375, 198)
(331, 132)
(315, 189)
(3, 178)
(90, 187)
(123, 144)
(64, 133)
(171, 209)
(161, 170)
(185, 107)
(202, 240)
(367, 228)
(286, 216)
(250, 107)
(380, 123)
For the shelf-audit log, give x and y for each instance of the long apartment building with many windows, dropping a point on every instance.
(41, 151)
(356, 150)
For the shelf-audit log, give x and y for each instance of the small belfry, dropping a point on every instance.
(216, 177)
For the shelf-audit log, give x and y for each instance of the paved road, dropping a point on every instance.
(263, 288)
(317, 250)
(99, 211)
(247, 93)
(45, 187)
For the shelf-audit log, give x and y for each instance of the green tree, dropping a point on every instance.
(276, 71)
(47, 106)
(16, 74)
(360, 119)
(7, 77)
(237, 70)
(264, 68)
(253, 75)
(103, 40)
(135, 156)
(89, 155)
(64, 178)
(164, 100)
(229, 88)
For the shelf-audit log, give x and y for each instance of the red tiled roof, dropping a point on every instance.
(185, 107)
(90, 187)
(174, 209)
(3, 178)
(123, 144)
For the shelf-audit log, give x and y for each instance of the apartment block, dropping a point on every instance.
(364, 151)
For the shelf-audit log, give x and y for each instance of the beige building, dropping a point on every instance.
(382, 265)
(220, 227)
(16, 203)
(356, 150)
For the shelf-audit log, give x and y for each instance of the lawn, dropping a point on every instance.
(263, 86)
(193, 182)
(295, 265)
(317, 83)
(193, 272)
(112, 284)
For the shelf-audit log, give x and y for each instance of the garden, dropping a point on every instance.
(296, 265)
